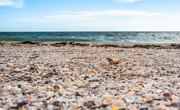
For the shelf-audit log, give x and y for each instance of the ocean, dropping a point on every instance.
(117, 37)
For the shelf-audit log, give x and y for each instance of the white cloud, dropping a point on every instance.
(103, 14)
(105, 20)
(127, 1)
(91, 15)
(12, 3)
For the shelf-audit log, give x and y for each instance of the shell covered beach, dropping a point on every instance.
(86, 77)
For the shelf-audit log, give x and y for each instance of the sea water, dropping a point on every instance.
(117, 37)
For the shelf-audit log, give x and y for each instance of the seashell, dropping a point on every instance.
(89, 104)
(168, 95)
(95, 85)
(162, 107)
(95, 78)
(16, 90)
(98, 102)
(67, 93)
(21, 108)
(129, 99)
(31, 100)
(49, 101)
(50, 93)
(158, 90)
(108, 101)
(15, 101)
(56, 88)
(104, 62)
(57, 103)
(144, 107)
(23, 85)
(50, 107)
(21, 105)
(112, 62)
(147, 99)
(17, 70)
(79, 83)
(7, 88)
(115, 108)
(119, 104)
(175, 104)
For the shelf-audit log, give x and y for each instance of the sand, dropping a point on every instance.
(89, 77)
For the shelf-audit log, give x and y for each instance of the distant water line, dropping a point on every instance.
(117, 37)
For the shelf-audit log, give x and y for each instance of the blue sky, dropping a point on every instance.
(89, 15)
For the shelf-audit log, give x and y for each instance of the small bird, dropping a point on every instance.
(112, 62)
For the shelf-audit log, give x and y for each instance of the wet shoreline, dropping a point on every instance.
(96, 44)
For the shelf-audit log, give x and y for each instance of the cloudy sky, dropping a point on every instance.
(89, 15)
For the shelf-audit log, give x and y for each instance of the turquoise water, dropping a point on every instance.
(118, 37)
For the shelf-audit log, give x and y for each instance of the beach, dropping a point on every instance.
(83, 76)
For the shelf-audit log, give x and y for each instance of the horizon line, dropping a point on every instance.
(90, 31)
